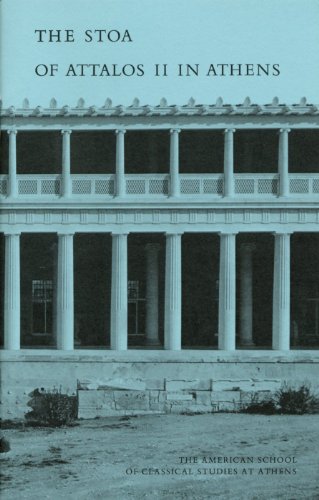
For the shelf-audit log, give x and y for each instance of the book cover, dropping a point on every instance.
(159, 218)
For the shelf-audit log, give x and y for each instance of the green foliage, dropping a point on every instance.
(52, 408)
(296, 401)
(287, 400)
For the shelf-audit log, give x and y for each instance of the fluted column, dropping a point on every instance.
(119, 292)
(151, 332)
(246, 294)
(120, 163)
(227, 293)
(12, 178)
(281, 293)
(174, 162)
(283, 162)
(66, 164)
(12, 292)
(65, 293)
(229, 162)
(173, 292)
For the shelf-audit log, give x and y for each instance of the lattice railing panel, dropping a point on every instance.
(268, 186)
(315, 186)
(26, 186)
(135, 186)
(190, 186)
(213, 186)
(81, 186)
(244, 186)
(300, 186)
(3, 187)
(104, 186)
(158, 186)
(49, 186)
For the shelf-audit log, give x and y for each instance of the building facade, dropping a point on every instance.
(168, 253)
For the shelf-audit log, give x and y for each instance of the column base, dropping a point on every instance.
(246, 343)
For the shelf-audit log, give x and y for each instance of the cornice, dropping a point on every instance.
(108, 109)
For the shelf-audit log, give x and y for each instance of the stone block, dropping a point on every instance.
(198, 409)
(131, 400)
(179, 396)
(96, 404)
(162, 396)
(155, 384)
(246, 385)
(157, 407)
(185, 385)
(227, 406)
(154, 395)
(229, 396)
(116, 384)
(203, 398)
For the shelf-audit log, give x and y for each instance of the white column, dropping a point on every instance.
(120, 163)
(12, 292)
(12, 178)
(119, 292)
(227, 293)
(281, 293)
(173, 292)
(66, 164)
(246, 294)
(151, 337)
(174, 162)
(65, 293)
(229, 162)
(283, 162)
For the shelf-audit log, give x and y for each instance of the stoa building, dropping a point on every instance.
(159, 258)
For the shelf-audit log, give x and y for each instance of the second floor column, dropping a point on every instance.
(173, 292)
(65, 293)
(229, 162)
(283, 162)
(66, 190)
(12, 178)
(227, 292)
(120, 189)
(281, 293)
(119, 292)
(12, 292)
(174, 162)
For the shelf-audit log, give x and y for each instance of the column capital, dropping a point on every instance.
(282, 233)
(228, 233)
(65, 232)
(174, 130)
(229, 130)
(119, 131)
(174, 233)
(282, 130)
(12, 131)
(66, 131)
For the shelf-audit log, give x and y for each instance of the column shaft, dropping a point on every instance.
(227, 293)
(66, 164)
(65, 292)
(283, 161)
(12, 292)
(174, 162)
(119, 292)
(120, 163)
(229, 162)
(12, 178)
(246, 295)
(281, 293)
(173, 292)
(152, 294)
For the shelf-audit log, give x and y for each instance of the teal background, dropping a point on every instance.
(285, 32)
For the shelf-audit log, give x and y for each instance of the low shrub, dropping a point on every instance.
(52, 408)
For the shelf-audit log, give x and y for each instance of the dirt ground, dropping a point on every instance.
(224, 456)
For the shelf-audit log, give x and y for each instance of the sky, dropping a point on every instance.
(171, 32)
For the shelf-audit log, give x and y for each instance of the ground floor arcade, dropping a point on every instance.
(161, 290)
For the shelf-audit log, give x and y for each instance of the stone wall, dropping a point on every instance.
(141, 382)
